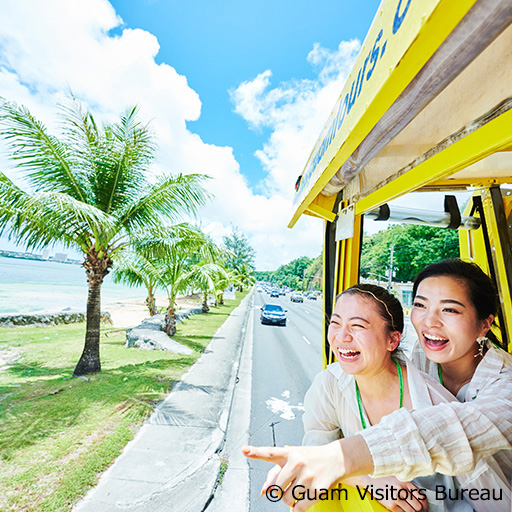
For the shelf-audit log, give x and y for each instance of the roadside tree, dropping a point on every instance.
(133, 269)
(414, 247)
(89, 189)
(176, 252)
(240, 257)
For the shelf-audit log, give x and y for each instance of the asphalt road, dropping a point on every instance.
(285, 361)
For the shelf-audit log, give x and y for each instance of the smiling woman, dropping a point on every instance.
(454, 305)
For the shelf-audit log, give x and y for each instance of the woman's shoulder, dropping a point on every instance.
(332, 378)
(499, 355)
(495, 366)
(329, 385)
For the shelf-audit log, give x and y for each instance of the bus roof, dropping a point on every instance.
(427, 106)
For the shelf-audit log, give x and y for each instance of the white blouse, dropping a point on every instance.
(331, 412)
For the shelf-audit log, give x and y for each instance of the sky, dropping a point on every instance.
(234, 89)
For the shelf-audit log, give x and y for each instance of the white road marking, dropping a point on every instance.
(284, 409)
(306, 340)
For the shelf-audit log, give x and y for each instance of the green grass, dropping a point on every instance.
(58, 433)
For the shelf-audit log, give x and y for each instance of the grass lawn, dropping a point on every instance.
(58, 433)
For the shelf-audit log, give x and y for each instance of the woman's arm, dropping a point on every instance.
(321, 425)
(447, 438)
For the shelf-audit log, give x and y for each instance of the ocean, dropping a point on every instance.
(32, 286)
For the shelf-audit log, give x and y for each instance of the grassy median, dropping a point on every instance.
(58, 433)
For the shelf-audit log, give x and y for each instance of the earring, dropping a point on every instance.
(481, 340)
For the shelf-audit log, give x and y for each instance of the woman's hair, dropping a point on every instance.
(481, 290)
(388, 305)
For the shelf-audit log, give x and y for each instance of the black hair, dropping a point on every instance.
(481, 290)
(388, 305)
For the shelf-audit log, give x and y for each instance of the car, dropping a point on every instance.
(273, 314)
(312, 296)
(296, 297)
(274, 293)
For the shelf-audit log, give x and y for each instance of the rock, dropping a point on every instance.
(150, 335)
(155, 323)
(44, 319)
(150, 339)
(185, 313)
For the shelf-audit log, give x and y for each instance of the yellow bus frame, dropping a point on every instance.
(405, 38)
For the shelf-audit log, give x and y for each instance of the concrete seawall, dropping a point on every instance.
(49, 318)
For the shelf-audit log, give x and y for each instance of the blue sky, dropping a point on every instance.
(237, 90)
(218, 45)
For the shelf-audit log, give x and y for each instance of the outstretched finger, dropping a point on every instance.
(269, 454)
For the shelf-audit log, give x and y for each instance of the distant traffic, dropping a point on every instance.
(275, 313)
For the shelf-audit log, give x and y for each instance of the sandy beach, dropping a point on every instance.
(131, 312)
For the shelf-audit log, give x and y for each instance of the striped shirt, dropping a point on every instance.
(449, 438)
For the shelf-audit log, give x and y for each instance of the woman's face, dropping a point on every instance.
(446, 321)
(358, 335)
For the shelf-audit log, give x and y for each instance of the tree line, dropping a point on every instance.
(92, 189)
(298, 274)
(414, 247)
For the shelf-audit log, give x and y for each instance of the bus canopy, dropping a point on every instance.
(427, 107)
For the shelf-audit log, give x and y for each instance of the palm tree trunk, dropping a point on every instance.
(221, 299)
(151, 302)
(205, 303)
(151, 305)
(96, 268)
(170, 319)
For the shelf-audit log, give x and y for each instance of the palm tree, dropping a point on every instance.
(222, 283)
(89, 189)
(133, 269)
(245, 276)
(205, 275)
(175, 250)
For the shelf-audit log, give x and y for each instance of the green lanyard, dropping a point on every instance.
(401, 384)
(440, 376)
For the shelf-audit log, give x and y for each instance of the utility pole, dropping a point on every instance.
(390, 279)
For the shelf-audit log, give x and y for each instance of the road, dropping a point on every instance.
(285, 361)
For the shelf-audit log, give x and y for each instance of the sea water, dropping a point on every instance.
(33, 286)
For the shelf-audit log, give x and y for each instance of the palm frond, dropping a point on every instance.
(122, 162)
(47, 217)
(46, 161)
(170, 198)
(206, 275)
(133, 269)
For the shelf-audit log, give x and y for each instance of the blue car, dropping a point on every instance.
(273, 314)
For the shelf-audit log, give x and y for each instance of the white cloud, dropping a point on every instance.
(47, 48)
(295, 111)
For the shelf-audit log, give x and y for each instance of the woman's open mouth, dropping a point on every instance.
(434, 342)
(348, 355)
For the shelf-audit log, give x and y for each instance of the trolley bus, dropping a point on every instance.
(427, 107)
